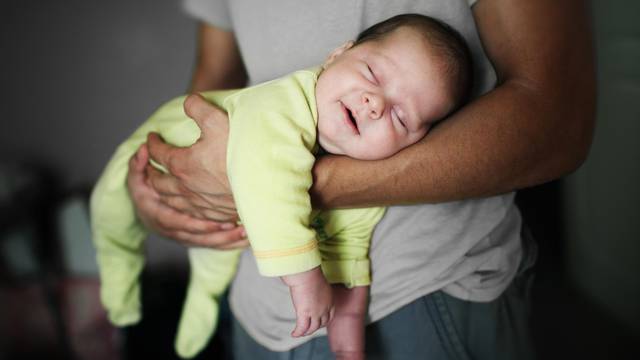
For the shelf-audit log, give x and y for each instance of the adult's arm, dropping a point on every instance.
(218, 65)
(218, 61)
(535, 126)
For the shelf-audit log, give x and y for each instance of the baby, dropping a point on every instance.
(370, 99)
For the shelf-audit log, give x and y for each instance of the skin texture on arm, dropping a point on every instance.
(535, 126)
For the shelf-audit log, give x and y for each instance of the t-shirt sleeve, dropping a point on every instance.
(471, 2)
(269, 162)
(212, 12)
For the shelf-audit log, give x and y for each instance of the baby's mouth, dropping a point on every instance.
(351, 120)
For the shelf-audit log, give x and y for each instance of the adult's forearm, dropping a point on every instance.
(218, 61)
(509, 139)
(535, 126)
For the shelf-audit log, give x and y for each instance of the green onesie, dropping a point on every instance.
(270, 154)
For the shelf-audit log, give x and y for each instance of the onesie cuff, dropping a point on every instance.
(348, 272)
(280, 265)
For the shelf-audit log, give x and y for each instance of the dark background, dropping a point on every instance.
(76, 77)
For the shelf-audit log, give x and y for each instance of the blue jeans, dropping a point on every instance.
(436, 327)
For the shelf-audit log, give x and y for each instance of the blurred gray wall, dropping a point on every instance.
(77, 76)
(602, 205)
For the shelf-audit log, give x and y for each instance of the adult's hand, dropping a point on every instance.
(197, 181)
(169, 222)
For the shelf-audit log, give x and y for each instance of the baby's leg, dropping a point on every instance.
(117, 233)
(211, 273)
(346, 329)
(311, 296)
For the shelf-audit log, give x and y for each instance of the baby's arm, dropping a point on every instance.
(311, 296)
(345, 263)
(269, 162)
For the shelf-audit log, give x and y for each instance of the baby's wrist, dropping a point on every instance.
(303, 278)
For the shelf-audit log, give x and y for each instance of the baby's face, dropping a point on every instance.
(379, 97)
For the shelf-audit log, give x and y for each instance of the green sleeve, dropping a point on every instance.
(269, 161)
(345, 245)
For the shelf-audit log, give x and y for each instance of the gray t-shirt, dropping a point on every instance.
(469, 249)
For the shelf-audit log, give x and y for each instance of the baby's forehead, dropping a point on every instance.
(412, 55)
(407, 35)
(396, 45)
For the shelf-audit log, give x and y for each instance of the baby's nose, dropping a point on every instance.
(374, 104)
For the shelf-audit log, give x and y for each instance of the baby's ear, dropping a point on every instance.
(337, 52)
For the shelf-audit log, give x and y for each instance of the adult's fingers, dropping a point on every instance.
(162, 183)
(206, 115)
(173, 194)
(221, 240)
(221, 214)
(167, 186)
(136, 176)
(191, 231)
(236, 244)
(170, 157)
(139, 159)
(181, 204)
(171, 220)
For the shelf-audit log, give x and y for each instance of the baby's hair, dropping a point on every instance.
(450, 45)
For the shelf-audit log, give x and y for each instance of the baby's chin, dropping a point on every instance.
(370, 153)
(328, 146)
(360, 154)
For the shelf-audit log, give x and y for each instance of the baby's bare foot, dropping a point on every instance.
(311, 295)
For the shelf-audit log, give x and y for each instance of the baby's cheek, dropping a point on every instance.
(390, 144)
(381, 149)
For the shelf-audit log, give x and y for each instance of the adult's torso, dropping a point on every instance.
(470, 249)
